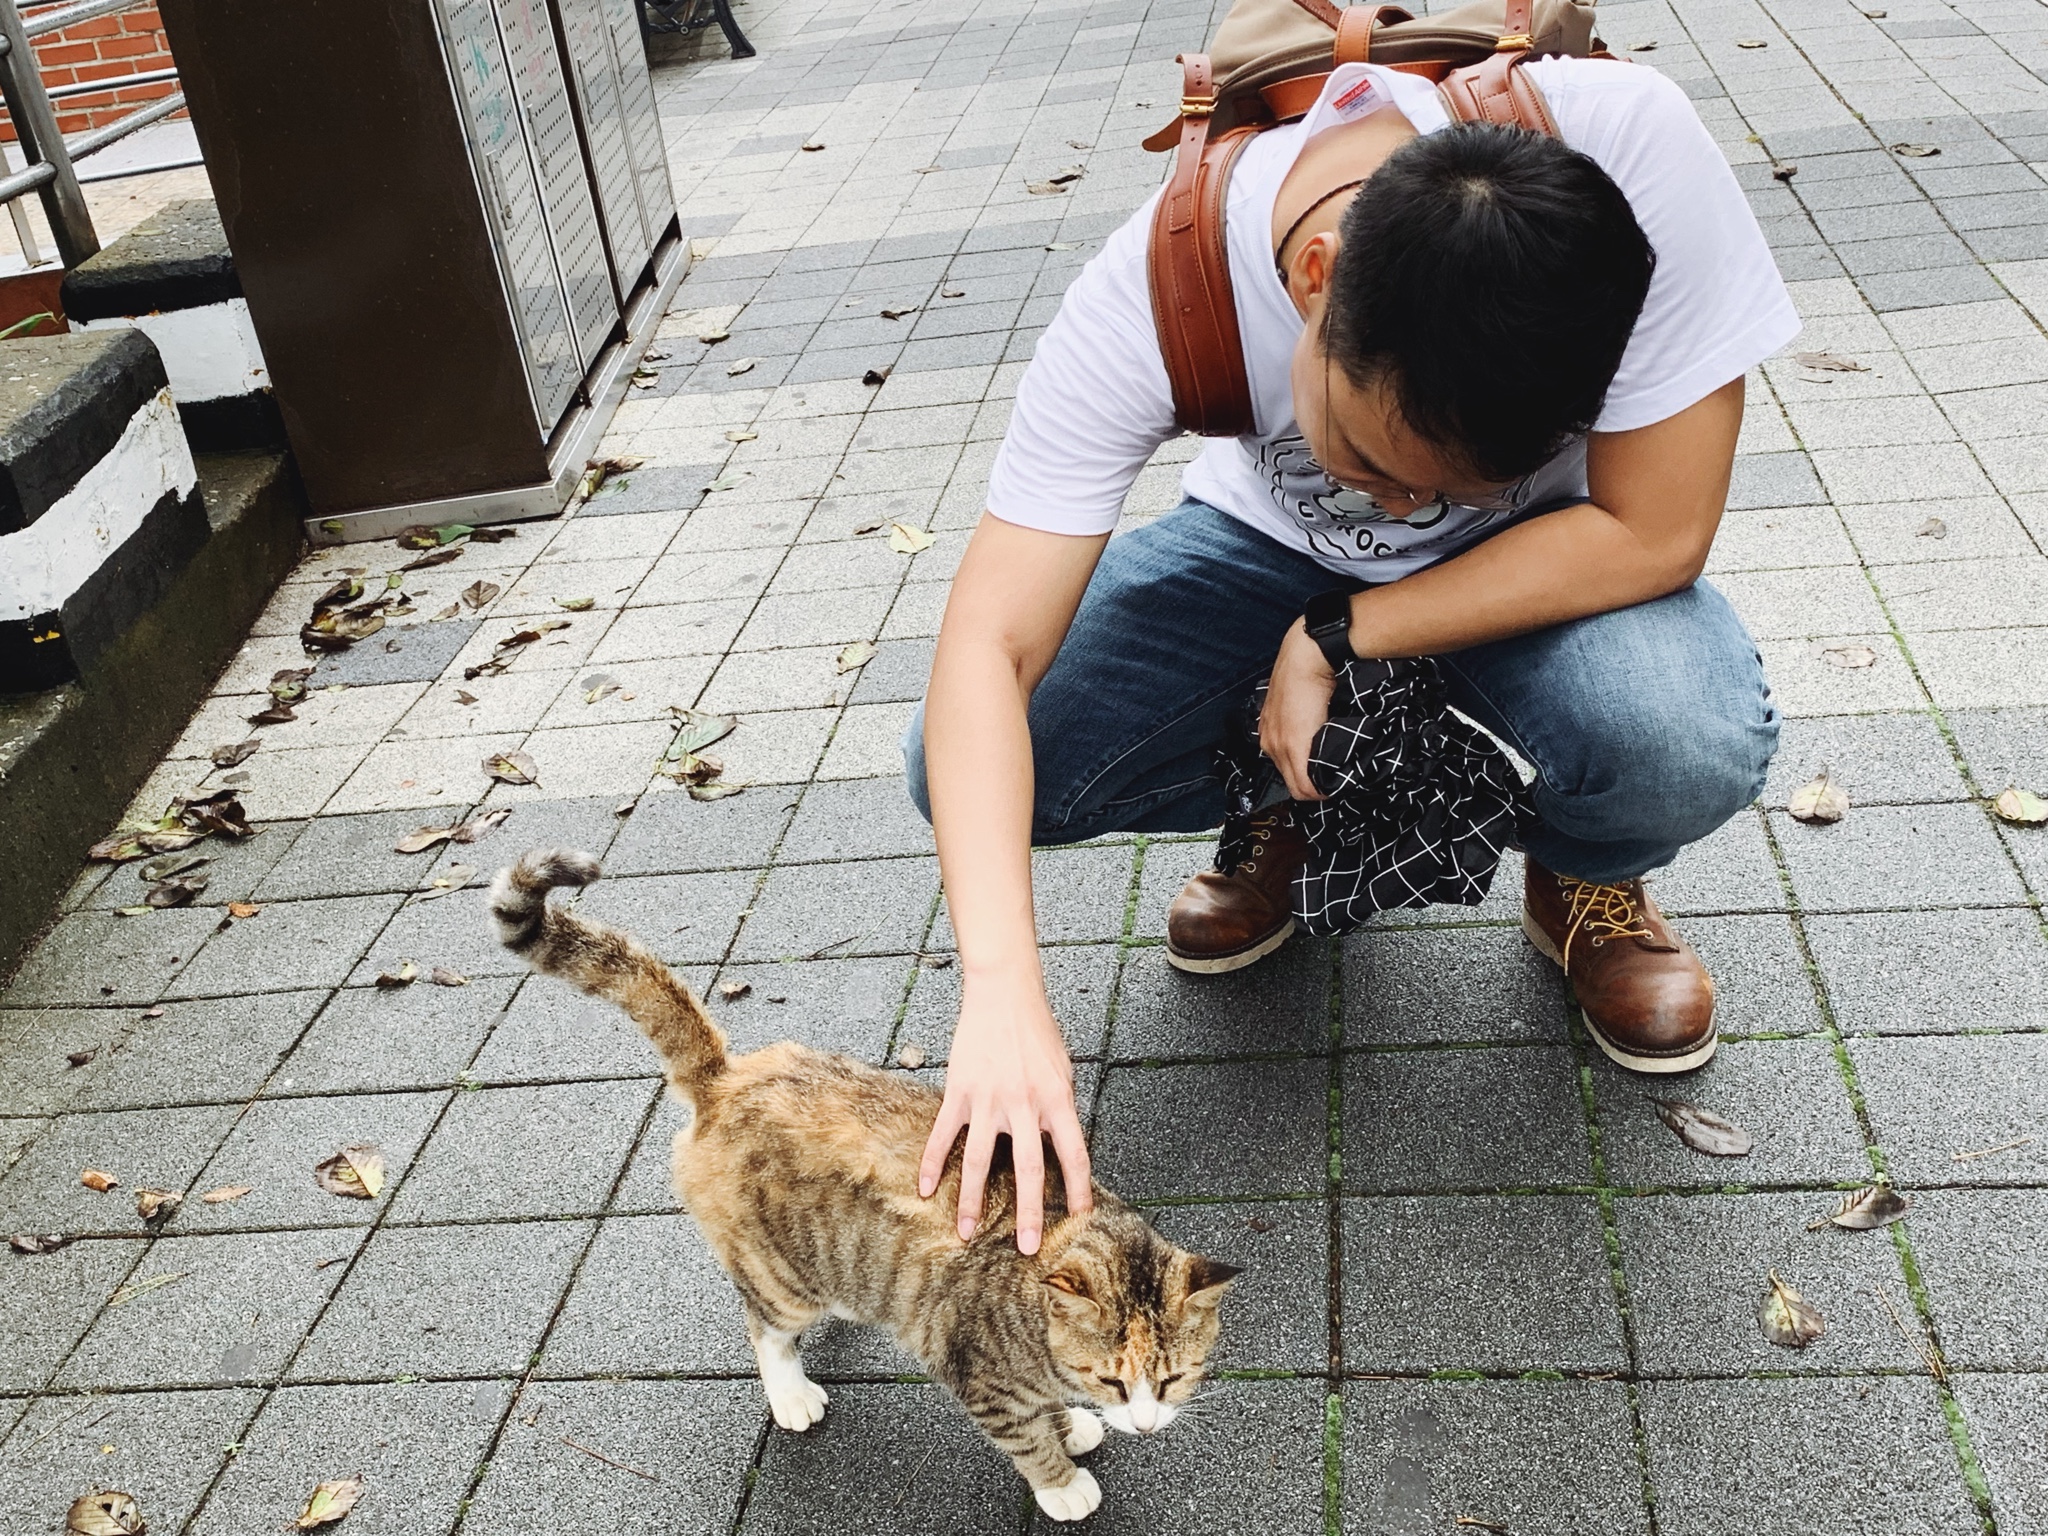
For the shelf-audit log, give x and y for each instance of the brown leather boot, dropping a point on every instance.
(1222, 922)
(1647, 999)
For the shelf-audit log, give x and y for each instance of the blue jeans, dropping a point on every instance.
(1648, 727)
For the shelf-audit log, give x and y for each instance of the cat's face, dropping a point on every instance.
(1132, 1320)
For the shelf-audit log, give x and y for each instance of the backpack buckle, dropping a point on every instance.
(1515, 42)
(1197, 106)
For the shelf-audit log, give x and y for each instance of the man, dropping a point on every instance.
(1498, 383)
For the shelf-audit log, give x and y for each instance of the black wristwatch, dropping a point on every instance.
(1328, 622)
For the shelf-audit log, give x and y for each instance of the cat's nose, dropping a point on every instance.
(1144, 1410)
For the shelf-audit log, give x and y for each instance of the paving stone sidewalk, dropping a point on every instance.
(1485, 1289)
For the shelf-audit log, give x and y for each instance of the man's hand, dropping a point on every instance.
(1297, 706)
(1008, 1073)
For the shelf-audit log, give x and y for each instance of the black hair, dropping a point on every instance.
(1489, 277)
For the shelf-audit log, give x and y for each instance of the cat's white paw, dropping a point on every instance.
(797, 1402)
(1084, 1431)
(1075, 1500)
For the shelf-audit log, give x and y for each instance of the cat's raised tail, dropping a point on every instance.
(605, 963)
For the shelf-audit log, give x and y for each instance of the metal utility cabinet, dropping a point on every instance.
(453, 225)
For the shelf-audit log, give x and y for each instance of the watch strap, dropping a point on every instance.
(1327, 618)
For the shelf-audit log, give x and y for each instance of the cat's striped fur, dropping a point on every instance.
(801, 1168)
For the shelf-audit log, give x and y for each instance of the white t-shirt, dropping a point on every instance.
(1095, 403)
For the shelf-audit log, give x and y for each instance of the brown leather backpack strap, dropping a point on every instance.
(1497, 90)
(1188, 266)
(1355, 26)
(1517, 27)
(1322, 10)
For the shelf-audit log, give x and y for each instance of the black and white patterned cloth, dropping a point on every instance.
(1421, 801)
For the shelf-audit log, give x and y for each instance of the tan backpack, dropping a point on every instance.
(1266, 66)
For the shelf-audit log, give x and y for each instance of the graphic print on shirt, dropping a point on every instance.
(1344, 524)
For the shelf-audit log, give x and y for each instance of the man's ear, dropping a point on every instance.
(1308, 275)
(1208, 1280)
(1069, 1293)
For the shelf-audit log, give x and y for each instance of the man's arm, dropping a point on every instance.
(1012, 601)
(1657, 495)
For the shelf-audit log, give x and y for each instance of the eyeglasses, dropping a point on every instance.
(1504, 498)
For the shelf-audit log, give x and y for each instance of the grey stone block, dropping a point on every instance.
(820, 910)
(848, 1006)
(1899, 856)
(92, 958)
(588, 825)
(685, 919)
(276, 1142)
(673, 834)
(1877, 759)
(1915, 973)
(1931, 1098)
(1231, 1128)
(1276, 1315)
(1281, 1004)
(1168, 867)
(551, 1150)
(651, 488)
(1982, 1257)
(373, 1039)
(1963, 282)
(874, 1465)
(454, 931)
(415, 1445)
(650, 1299)
(36, 1075)
(647, 1187)
(1766, 1456)
(398, 653)
(553, 1032)
(1471, 1282)
(444, 1301)
(1920, 256)
(899, 673)
(235, 868)
(2008, 1419)
(1080, 893)
(224, 1048)
(1464, 1119)
(1697, 1264)
(1774, 480)
(143, 1149)
(48, 1300)
(1444, 986)
(1730, 870)
(1080, 981)
(1761, 982)
(354, 856)
(234, 1317)
(167, 1449)
(697, 1437)
(855, 819)
(1788, 1094)
(1540, 1458)
(2002, 746)
(315, 942)
(1248, 1458)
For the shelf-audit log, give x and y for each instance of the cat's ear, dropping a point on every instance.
(1208, 1280)
(1069, 1293)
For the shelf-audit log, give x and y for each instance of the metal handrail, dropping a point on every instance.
(116, 83)
(97, 140)
(72, 15)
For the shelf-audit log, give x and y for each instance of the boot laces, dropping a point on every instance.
(1260, 832)
(1603, 911)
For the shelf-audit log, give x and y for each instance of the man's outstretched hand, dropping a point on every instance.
(1008, 1074)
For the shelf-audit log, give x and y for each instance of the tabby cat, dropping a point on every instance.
(801, 1168)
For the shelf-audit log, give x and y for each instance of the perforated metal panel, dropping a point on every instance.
(506, 178)
(643, 124)
(543, 94)
(594, 71)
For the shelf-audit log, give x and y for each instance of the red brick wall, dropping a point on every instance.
(123, 44)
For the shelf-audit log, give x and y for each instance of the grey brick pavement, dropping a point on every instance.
(1483, 1281)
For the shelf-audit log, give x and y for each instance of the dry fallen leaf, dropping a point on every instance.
(1933, 528)
(226, 1193)
(356, 1172)
(478, 593)
(1752, 42)
(714, 791)
(512, 768)
(433, 558)
(1044, 188)
(911, 1056)
(1064, 245)
(695, 730)
(1863, 1210)
(1829, 362)
(1649, 47)
(176, 892)
(330, 1501)
(877, 375)
(407, 973)
(732, 991)
(40, 1242)
(157, 1204)
(1820, 799)
(814, 145)
(941, 962)
(1784, 172)
(2021, 807)
(855, 656)
(1916, 151)
(233, 755)
(906, 540)
(441, 976)
(109, 1512)
(744, 365)
(424, 838)
(741, 437)
(453, 878)
(92, 1178)
(136, 1288)
(576, 604)
(244, 908)
(1787, 1318)
(898, 314)
(1702, 1129)
(727, 482)
(1851, 658)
